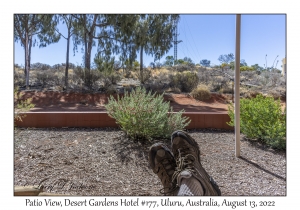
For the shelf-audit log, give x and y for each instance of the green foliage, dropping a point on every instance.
(246, 68)
(179, 61)
(109, 82)
(188, 61)
(231, 65)
(106, 29)
(32, 30)
(205, 63)
(145, 115)
(169, 61)
(226, 58)
(262, 118)
(256, 67)
(144, 75)
(104, 64)
(201, 93)
(243, 62)
(86, 76)
(136, 65)
(20, 105)
(243, 65)
(185, 81)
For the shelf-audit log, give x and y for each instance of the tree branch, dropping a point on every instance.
(60, 33)
(18, 29)
(102, 24)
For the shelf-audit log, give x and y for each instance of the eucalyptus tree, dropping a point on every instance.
(31, 30)
(226, 58)
(153, 34)
(110, 31)
(205, 62)
(72, 28)
(169, 61)
(86, 34)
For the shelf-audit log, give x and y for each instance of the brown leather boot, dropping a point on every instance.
(187, 154)
(163, 164)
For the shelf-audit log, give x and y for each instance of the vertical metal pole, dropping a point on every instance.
(237, 85)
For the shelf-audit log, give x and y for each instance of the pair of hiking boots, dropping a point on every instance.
(182, 162)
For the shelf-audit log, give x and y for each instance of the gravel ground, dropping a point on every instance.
(104, 162)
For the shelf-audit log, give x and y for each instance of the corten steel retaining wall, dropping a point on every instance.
(101, 119)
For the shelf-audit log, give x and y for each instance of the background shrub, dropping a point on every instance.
(145, 115)
(262, 118)
(19, 77)
(143, 75)
(201, 93)
(185, 81)
(21, 105)
(109, 80)
(246, 68)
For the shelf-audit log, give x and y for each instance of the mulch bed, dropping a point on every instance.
(104, 162)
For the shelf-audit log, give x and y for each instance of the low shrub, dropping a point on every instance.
(143, 75)
(145, 115)
(201, 93)
(246, 68)
(111, 90)
(262, 118)
(186, 81)
(19, 77)
(42, 78)
(110, 79)
(246, 93)
(89, 77)
(21, 105)
(173, 90)
(157, 87)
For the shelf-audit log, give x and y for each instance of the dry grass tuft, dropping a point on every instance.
(201, 93)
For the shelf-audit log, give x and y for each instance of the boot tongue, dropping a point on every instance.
(183, 175)
(189, 185)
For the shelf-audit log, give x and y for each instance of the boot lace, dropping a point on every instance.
(183, 162)
(167, 190)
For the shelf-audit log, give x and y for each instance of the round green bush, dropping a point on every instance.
(185, 81)
(262, 118)
(201, 93)
(145, 115)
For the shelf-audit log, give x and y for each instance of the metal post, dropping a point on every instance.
(237, 85)
(175, 41)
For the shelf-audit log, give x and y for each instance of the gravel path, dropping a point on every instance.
(104, 162)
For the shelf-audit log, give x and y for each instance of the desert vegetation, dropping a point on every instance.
(194, 80)
(159, 79)
(127, 36)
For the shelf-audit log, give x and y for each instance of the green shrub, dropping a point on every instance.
(262, 118)
(143, 75)
(189, 81)
(201, 93)
(185, 81)
(110, 79)
(145, 115)
(111, 90)
(21, 105)
(246, 68)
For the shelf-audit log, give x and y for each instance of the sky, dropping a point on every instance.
(203, 37)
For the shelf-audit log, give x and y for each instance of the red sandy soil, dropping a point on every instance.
(49, 101)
